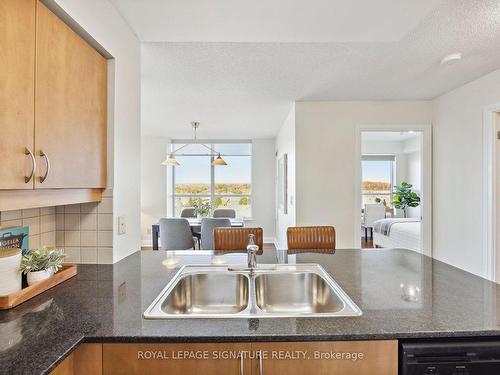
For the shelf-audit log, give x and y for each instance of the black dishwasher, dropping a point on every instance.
(471, 357)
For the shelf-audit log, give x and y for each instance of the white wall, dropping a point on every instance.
(326, 148)
(153, 183)
(375, 147)
(285, 143)
(102, 21)
(263, 197)
(458, 172)
(414, 177)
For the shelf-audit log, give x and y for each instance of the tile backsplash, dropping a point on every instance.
(84, 230)
(41, 221)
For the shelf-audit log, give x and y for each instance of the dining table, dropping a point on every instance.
(194, 222)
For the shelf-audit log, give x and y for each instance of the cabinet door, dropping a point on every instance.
(70, 107)
(175, 359)
(85, 360)
(17, 63)
(378, 357)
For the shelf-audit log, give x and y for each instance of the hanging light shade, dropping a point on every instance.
(170, 160)
(219, 161)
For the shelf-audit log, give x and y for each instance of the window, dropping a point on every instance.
(377, 179)
(197, 180)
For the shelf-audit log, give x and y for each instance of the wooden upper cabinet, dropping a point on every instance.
(17, 62)
(70, 107)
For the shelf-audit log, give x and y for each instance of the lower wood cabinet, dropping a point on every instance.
(334, 357)
(376, 357)
(85, 360)
(176, 359)
(379, 357)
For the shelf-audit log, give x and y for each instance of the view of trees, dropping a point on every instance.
(223, 188)
(242, 205)
(375, 186)
(376, 190)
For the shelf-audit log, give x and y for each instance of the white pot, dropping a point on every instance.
(37, 276)
(10, 279)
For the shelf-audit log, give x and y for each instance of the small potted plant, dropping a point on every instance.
(40, 264)
(405, 197)
(202, 208)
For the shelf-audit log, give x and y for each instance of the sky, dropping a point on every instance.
(376, 171)
(196, 169)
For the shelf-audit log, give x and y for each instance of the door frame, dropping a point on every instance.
(426, 178)
(489, 190)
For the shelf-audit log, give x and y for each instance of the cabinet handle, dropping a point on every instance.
(242, 369)
(261, 364)
(27, 151)
(44, 177)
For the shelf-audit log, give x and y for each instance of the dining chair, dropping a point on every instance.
(208, 224)
(234, 239)
(311, 238)
(175, 234)
(372, 213)
(225, 212)
(188, 212)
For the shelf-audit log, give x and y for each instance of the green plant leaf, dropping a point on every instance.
(42, 259)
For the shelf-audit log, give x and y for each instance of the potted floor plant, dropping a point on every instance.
(41, 263)
(405, 197)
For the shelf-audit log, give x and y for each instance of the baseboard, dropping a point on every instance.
(269, 240)
(147, 243)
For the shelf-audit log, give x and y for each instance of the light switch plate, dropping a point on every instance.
(122, 225)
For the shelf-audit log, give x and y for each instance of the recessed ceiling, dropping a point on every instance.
(273, 20)
(241, 89)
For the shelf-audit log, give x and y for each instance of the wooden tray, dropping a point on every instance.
(12, 300)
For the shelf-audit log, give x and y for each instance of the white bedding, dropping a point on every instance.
(402, 236)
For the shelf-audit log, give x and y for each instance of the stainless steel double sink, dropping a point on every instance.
(267, 291)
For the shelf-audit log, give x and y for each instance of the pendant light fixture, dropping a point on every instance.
(172, 161)
(219, 161)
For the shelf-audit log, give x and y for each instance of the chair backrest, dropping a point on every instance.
(225, 212)
(236, 238)
(175, 234)
(208, 225)
(373, 212)
(311, 238)
(188, 212)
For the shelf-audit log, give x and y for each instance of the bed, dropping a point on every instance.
(403, 233)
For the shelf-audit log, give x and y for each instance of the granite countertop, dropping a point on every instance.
(402, 294)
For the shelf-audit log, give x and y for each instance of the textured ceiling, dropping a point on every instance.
(245, 90)
(273, 20)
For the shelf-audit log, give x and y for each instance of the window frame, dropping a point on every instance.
(212, 196)
(390, 158)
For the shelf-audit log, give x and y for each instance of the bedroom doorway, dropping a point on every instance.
(394, 185)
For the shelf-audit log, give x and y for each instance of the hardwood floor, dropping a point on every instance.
(367, 244)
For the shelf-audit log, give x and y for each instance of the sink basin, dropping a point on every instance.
(268, 291)
(208, 293)
(295, 293)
